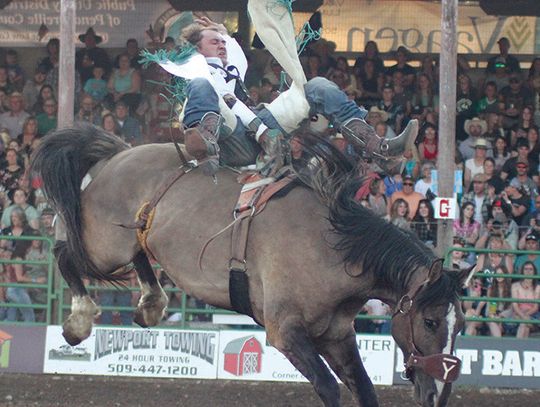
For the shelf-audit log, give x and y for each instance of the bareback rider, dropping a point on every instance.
(210, 104)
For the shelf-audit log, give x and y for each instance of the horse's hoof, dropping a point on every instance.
(70, 338)
(139, 318)
(150, 310)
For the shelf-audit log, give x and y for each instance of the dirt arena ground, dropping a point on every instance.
(73, 391)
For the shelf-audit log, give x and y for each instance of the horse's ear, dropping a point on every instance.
(435, 271)
(465, 276)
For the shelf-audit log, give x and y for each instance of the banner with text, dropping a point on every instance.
(246, 355)
(135, 352)
(493, 363)
(348, 23)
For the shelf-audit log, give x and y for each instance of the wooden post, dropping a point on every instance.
(66, 83)
(447, 115)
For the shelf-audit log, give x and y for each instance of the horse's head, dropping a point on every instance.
(425, 324)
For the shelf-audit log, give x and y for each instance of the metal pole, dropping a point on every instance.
(66, 83)
(447, 111)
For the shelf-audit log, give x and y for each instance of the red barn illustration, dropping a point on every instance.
(243, 356)
(5, 344)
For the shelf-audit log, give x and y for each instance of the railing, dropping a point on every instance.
(58, 295)
(48, 286)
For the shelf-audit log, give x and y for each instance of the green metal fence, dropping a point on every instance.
(58, 303)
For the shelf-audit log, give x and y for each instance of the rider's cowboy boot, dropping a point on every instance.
(273, 144)
(388, 154)
(202, 142)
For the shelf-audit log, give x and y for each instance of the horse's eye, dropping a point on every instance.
(431, 324)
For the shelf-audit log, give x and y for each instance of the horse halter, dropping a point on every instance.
(440, 366)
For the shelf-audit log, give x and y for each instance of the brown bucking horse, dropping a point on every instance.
(315, 256)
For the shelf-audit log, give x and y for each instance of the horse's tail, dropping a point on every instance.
(61, 160)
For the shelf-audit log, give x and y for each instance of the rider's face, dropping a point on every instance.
(212, 45)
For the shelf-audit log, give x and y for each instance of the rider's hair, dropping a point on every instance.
(193, 33)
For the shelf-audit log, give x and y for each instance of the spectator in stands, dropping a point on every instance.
(522, 180)
(371, 52)
(399, 214)
(370, 83)
(529, 242)
(10, 175)
(378, 308)
(490, 98)
(408, 195)
(37, 273)
(474, 309)
(98, 55)
(273, 73)
(14, 119)
(395, 111)
(500, 288)
(501, 153)
(534, 73)
(424, 223)
(376, 197)
(532, 220)
(502, 230)
(533, 137)
(475, 128)
(376, 116)
(32, 87)
(110, 125)
(466, 226)
(5, 83)
(512, 99)
(412, 163)
(16, 250)
(509, 169)
(29, 133)
(525, 289)
(457, 256)
(130, 128)
(429, 67)
(15, 71)
(520, 129)
(53, 55)
(511, 62)
(46, 226)
(96, 86)
(493, 119)
(402, 95)
(20, 201)
(409, 73)
(46, 92)
(132, 50)
(89, 112)
(493, 181)
(424, 185)
(86, 68)
(475, 165)
(466, 103)
(4, 100)
(124, 84)
(428, 147)
(519, 202)
(48, 120)
(479, 196)
(424, 95)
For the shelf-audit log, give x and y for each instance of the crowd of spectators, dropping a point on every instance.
(498, 147)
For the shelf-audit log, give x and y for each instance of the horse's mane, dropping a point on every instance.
(366, 241)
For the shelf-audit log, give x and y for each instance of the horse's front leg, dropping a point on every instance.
(291, 339)
(342, 355)
(153, 302)
(78, 325)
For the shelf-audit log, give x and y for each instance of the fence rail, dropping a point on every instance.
(58, 295)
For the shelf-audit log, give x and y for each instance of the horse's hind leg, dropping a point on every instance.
(292, 340)
(343, 357)
(153, 301)
(78, 325)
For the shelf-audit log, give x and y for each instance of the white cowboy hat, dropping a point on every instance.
(476, 121)
(382, 113)
(481, 142)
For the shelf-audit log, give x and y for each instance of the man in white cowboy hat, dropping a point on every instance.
(475, 128)
(377, 116)
(98, 55)
(475, 165)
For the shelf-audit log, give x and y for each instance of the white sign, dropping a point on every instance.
(445, 208)
(135, 352)
(245, 355)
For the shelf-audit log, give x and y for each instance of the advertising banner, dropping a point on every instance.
(491, 362)
(245, 355)
(21, 348)
(135, 352)
(347, 23)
